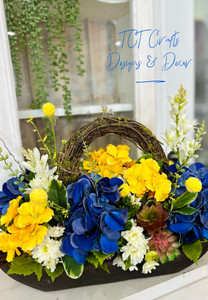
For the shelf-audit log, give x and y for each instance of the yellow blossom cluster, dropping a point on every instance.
(49, 109)
(144, 177)
(193, 185)
(109, 163)
(23, 223)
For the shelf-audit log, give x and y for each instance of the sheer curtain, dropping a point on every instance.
(9, 122)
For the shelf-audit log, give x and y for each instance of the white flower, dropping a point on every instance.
(39, 166)
(135, 200)
(137, 244)
(182, 112)
(55, 231)
(51, 264)
(136, 254)
(184, 125)
(170, 137)
(48, 253)
(119, 262)
(149, 266)
(39, 183)
(42, 169)
(133, 235)
(185, 149)
(133, 268)
(33, 158)
(171, 100)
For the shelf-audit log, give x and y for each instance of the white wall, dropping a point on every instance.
(151, 100)
(169, 16)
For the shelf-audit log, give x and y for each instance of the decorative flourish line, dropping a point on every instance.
(155, 81)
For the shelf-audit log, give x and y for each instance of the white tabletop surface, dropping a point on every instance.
(144, 288)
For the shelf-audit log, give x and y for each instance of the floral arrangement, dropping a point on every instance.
(127, 212)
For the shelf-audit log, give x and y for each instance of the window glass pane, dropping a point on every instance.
(101, 23)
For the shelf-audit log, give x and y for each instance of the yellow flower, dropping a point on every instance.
(30, 214)
(151, 164)
(11, 211)
(28, 237)
(193, 185)
(9, 244)
(102, 160)
(32, 236)
(151, 255)
(48, 109)
(118, 154)
(94, 160)
(96, 154)
(89, 164)
(124, 190)
(111, 171)
(136, 177)
(162, 186)
(39, 197)
(30, 119)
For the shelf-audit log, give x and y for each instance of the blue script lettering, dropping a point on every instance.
(115, 56)
(137, 32)
(112, 65)
(159, 41)
(170, 60)
(173, 40)
(150, 63)
(130, 64)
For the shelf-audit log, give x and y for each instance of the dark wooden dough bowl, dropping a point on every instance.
(93, 276)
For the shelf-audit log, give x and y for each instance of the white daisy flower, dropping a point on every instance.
(148, 266)
(48, 253)
(135, 200)
(55, 231)
(38, 165)
(137, 245)
(119, 262)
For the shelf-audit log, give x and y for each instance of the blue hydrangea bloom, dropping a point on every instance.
(195, 226)
(9, 192)
(94, 223)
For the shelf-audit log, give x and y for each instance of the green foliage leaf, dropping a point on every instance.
(30, 176)
(92, 259)
(185, 210)
(160, 163)
(57, 193)
(57, 272)
(193, 251)
(104, 267)
(150, 202)
(184, 200)
(25, 266)
(87, 264)
(144, 199)
(100, 256)
(71, 267)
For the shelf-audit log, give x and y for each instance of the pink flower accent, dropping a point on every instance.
(166, 244)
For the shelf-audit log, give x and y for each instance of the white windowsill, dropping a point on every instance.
(79, 110)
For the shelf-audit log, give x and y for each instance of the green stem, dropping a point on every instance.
(54, 136)
(41, 138)
(9, 168)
